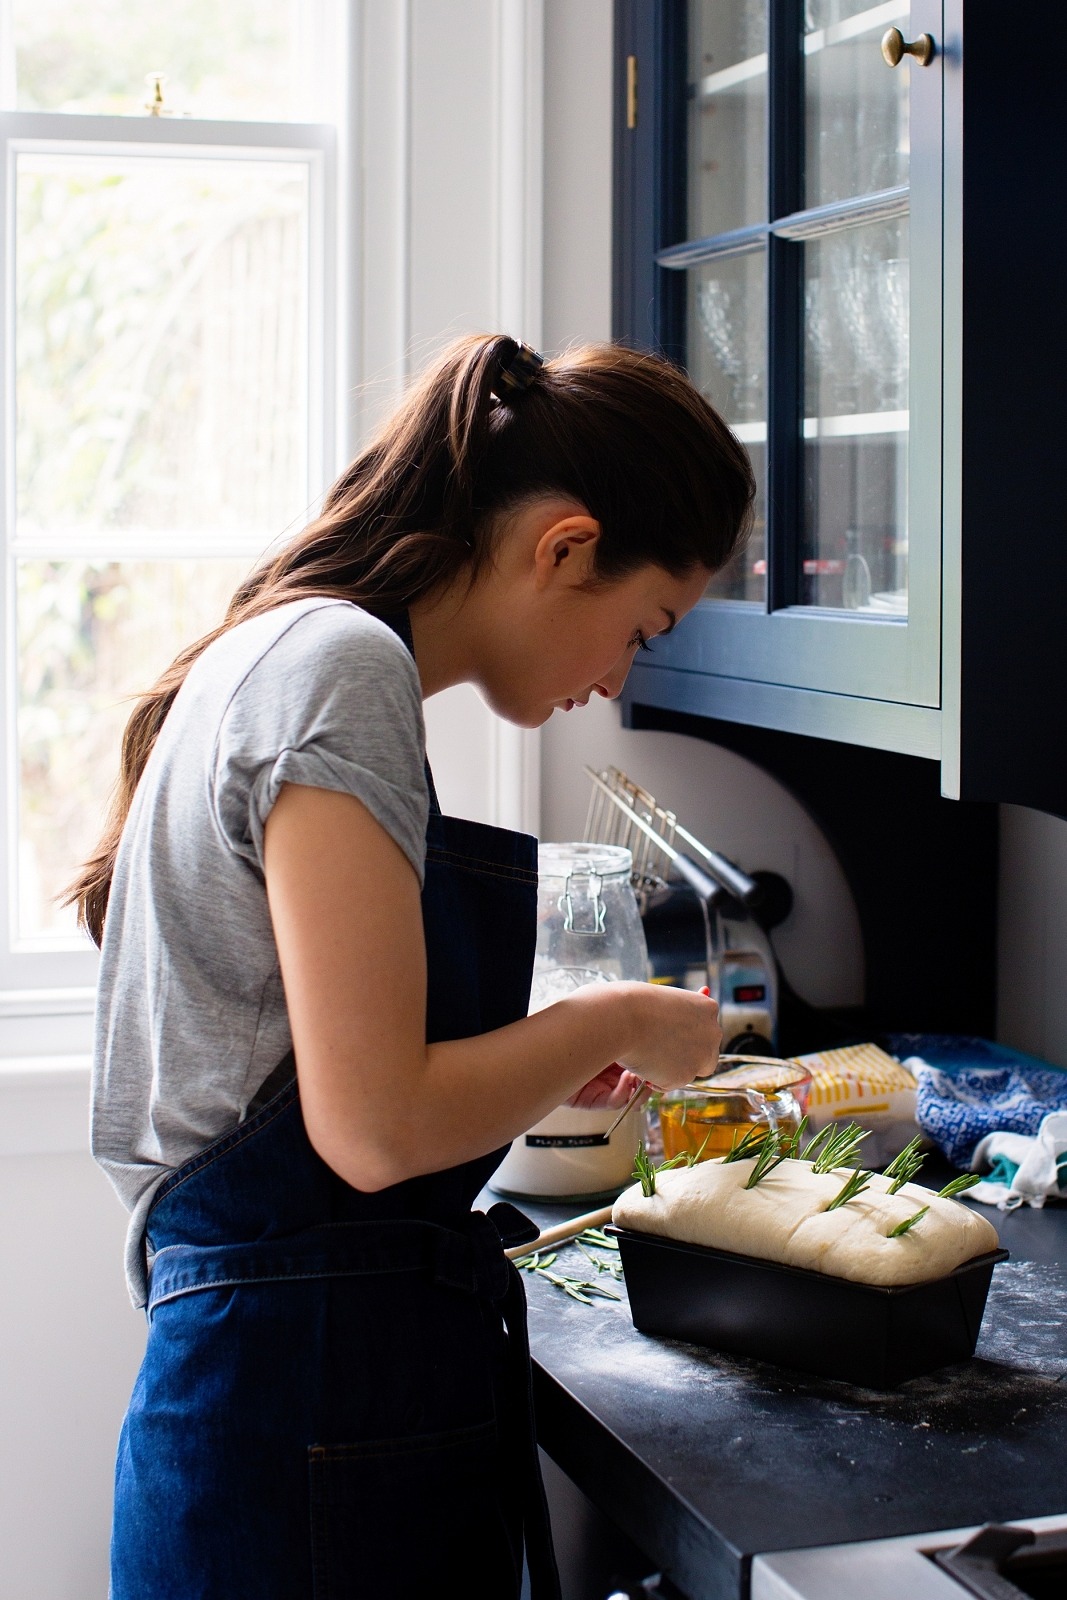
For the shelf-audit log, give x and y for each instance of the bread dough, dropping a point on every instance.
(784, 1219)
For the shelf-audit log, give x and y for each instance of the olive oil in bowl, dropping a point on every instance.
(707, 1119)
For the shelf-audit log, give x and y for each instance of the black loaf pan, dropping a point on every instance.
(860, 1333)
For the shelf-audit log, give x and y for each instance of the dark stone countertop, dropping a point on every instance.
(707, 1460)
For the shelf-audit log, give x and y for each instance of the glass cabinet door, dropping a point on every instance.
(726, 298)
(854, 547)
(812, 200)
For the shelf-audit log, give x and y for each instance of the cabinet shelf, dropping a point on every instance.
(813, 223)
(863, 424)
(882, 16)
(727, 78)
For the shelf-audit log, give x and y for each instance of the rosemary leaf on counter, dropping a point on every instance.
(904, 1166)
(958, 1185)
(855, 1184)
(613, 1268)
(909, 1222)
(578, 1288)
(597, 1237)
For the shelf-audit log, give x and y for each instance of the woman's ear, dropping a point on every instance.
(566, 551)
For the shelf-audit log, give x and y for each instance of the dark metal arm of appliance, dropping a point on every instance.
(732, 879)
(709, 888)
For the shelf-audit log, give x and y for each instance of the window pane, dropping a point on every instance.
(727, 115)
(90, 636)
(856, 419)
(727, 358)
(857, 108)
(257, 59)
(161, 347)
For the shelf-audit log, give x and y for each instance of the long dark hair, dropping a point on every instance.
(625, 435)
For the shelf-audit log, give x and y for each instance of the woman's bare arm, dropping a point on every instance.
(379, 1104)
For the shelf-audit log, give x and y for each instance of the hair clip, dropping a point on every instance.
(518, 372)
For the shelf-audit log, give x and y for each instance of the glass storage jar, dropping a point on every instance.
(588, 925)
(588, 931)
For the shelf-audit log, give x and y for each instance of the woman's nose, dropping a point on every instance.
(610, 686)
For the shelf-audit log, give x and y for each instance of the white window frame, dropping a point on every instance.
(47, 996)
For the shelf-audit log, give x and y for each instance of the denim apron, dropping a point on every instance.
(335, 1396)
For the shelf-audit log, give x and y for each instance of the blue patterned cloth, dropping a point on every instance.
(968, 1088)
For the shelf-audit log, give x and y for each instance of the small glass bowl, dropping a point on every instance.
(708, 1117)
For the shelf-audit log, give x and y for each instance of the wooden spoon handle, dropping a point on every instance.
(561, 1231)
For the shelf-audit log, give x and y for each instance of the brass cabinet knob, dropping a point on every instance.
(895, 48)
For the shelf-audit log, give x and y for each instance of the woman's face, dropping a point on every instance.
(552, 638)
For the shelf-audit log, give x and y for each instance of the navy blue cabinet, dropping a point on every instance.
(842, 218)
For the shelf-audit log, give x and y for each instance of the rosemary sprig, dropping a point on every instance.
(855, 1184)
(904, 1166)
(750, 1145)
(813, 1144)
(798, 1133)
(645, 1172)
(693, 1156)
(840, 1149)
(958, 1185)
(909, 1222)
(770, 1156)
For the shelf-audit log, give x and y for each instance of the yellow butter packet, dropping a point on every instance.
(861, 1083)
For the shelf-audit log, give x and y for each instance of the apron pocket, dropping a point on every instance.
(403, 1517)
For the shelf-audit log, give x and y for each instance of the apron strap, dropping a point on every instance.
(402, 628)
(537, 1527)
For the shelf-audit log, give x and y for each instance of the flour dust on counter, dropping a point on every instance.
(1020, 1370)
(1028, 1325)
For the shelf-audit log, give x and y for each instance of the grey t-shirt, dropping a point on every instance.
(191, 1016)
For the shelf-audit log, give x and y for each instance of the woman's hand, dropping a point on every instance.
(676, 1037)
(608, 1090)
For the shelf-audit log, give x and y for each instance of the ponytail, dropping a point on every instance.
(486, 428)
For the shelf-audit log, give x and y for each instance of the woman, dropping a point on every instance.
(312, 1046)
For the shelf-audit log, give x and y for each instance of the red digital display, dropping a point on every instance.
(746, 994)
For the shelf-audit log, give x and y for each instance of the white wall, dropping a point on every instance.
(577, 172)
(70, 1342)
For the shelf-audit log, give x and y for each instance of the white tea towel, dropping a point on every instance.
(1023, 1170)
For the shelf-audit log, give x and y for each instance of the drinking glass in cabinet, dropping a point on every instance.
(856, 112)
(855, 428)
(727, 360)
(727, 115)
